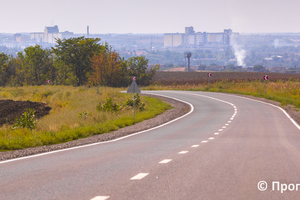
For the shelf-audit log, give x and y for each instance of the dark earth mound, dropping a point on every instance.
(9, 110)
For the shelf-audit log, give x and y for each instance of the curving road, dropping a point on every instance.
(222, 149)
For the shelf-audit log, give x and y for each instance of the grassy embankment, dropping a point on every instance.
(285, 92)
(64, 122)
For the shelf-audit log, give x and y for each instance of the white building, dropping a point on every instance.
(50, 35)
(190, 38)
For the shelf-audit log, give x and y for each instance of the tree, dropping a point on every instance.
(17, 65)
(137, 66)
(3, 68)
(259, 68)
(109, 69)
(38, 65)
(76, 55)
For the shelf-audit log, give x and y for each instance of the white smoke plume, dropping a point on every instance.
(276, 43)
(239, 52)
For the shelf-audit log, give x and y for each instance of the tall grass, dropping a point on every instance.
(285, 92)
(64, 122)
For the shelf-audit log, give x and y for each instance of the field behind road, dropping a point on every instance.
(182, 78)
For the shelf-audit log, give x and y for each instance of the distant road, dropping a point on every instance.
(221, 150)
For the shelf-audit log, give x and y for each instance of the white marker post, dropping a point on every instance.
(133, 89)
(265, 77)
(208, 76)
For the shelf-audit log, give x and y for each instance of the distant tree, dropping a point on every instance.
(38, 65)
(202, 67)
(109, 69)
(230, 67)
(259, 68)
(3, 68)
(76, 55)
(137, 66)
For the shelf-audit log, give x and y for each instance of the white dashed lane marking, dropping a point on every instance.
(100, 198)
(182, 152)
(216, 133)
(204, 141)
(226, 124)
(195, 145)
(139, 176)
(220, 130)
(211, 138)
(224, 127)
(165, 161)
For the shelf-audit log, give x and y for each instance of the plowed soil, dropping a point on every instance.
(9, 110)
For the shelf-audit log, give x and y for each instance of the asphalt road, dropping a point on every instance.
(221, 150)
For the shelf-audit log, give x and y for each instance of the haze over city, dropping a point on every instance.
(155, 16)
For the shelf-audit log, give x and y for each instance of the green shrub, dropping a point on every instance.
(84, 115)
(138, 103)
(27, 120)
(109, 106)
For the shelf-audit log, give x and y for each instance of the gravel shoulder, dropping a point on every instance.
(179, 109)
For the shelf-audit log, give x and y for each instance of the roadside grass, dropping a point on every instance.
(64, 123)
(285, 92)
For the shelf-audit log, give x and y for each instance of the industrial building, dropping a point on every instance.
(50, 35)
(192, 38)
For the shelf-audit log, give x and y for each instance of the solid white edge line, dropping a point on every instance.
(117, 139)
(287, 115)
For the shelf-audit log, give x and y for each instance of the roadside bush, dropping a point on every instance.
(138, 103)
(84, 115)
(27, 120)
(109, 106)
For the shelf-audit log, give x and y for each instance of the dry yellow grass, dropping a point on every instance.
(64, 122)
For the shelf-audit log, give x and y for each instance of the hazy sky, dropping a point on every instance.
(150, 16)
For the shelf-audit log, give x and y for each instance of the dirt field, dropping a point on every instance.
(182, 78)
(9, 110)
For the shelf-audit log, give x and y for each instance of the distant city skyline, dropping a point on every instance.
(150, 16)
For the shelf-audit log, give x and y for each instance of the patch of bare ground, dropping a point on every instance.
(9, 110)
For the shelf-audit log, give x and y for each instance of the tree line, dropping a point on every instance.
(75, 61)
